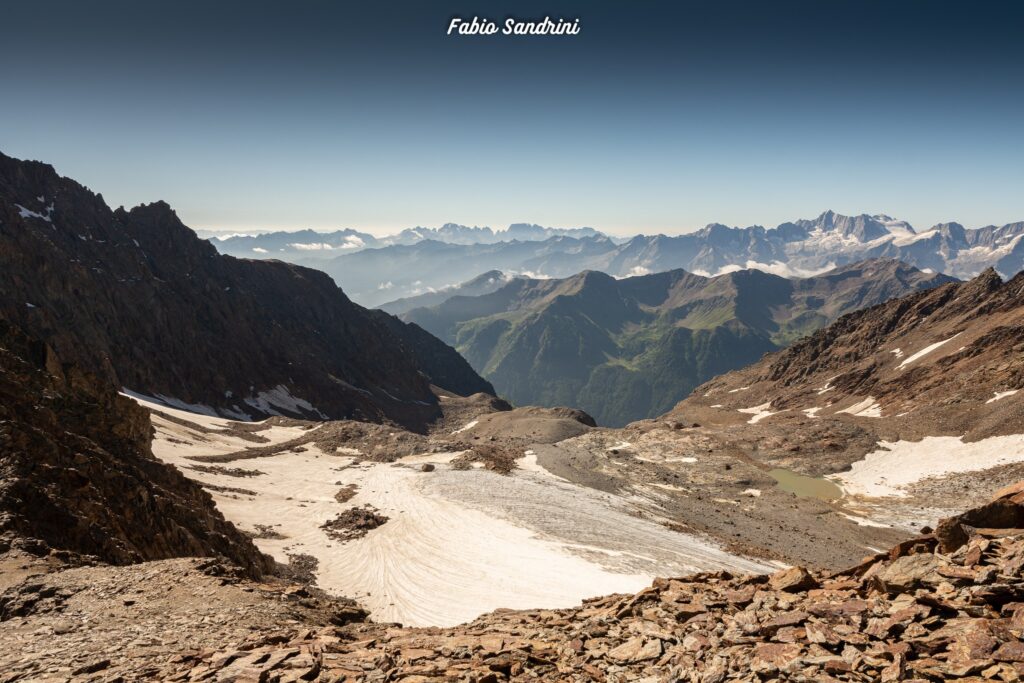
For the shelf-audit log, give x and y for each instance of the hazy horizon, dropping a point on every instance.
(501, 228)
(656, 118)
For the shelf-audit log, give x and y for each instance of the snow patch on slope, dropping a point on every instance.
(869, 407)
(759, 412)
(925, 351)
(887, 472)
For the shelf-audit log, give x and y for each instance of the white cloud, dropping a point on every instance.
(259, 250)
(386, 285)
(636, 271)
(775, 267)
(312, 246)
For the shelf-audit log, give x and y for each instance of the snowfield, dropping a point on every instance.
(887, 471)
(457, 543)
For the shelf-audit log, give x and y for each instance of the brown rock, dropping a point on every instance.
(906, 573)
(792, 580)
(636, 649)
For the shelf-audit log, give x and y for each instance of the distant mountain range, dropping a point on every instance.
(311, 245)
(631, 348)
(136, 298)
(799, 248)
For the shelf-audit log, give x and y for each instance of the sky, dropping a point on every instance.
(657, 117)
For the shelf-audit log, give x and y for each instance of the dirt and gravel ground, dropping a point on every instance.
(679, 478)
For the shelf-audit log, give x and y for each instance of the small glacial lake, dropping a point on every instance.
(804, 486)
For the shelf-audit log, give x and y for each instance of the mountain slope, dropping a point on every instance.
(627, 349)
(137, 298)
(903, 404)
(437, 360)
(77, 473)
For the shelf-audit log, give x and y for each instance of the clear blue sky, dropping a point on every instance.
(658, 117)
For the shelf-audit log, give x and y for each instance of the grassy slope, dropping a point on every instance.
(629, 349)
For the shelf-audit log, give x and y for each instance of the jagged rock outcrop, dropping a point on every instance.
(77, 474)
(135, 297)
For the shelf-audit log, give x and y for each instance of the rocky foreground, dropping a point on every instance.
(948, 605)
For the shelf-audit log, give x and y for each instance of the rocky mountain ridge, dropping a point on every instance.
(313, 245)
(793, 249)
(137, 298)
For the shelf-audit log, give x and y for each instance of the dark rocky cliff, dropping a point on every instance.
(135, 297)
(77, 473)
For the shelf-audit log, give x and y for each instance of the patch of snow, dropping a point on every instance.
(897, 352)
(620, 446)
(754, 493)
(528, 463)
(866, 408)
(828, 386)
(910, 239)
(759, 412)
(925, 351)
(812, 412)
(428, 458)
(733, 391)
(272, 401)
(30, 305)
(29, 213)
(193, 412)
(887, 471)
(468, 425)
(1001, 394)
(864, 521)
